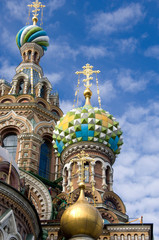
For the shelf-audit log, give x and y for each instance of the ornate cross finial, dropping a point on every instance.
(87, 71)
(82, 158)
(36, 5)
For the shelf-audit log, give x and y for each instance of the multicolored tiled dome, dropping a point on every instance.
(87, 124)
(32, 33)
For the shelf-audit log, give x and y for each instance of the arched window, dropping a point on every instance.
(29, 55)
(10, 143)
(86, 172)
(135, 237)
(35, 56)
(129, 237)
(143, 237)
(52, 237)
(21, 85)
(115, 237)
(122, 237)
(45, 159)
(42, 92)
(108, 175)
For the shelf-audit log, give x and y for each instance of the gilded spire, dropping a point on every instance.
(36, 5)
(87, 71)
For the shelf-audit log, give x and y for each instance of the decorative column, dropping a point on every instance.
(69, 178)
(40, 85)
(92, 173)
(104, 185)
(3, 90)
(111, 180)
(14, 87)
(25, 86)
(48, 90)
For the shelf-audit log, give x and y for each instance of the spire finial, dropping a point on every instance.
(87, 71)
(36, 5)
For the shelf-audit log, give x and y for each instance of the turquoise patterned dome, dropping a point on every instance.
(87, 124)
(34, 34)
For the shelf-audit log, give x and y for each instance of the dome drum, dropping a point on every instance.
(92, 148)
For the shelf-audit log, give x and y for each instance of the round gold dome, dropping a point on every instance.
(81, 218)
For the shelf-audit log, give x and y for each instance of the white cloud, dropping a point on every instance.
(7, 71)
(62, 50)
(66, 105)
(131, 81)
(127, 45)
(8, 42)
(54, 77)
(120, 20)
(53, 5)
(95, 51)
(18, 9)
(136, 169)
(153, 52)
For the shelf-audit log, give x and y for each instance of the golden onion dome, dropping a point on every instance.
(81, 218)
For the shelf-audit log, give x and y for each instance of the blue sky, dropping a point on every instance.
(119, 38)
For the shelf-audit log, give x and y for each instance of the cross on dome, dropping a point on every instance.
(87, 72)
(36, 5)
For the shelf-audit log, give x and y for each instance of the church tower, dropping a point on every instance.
(91, 133)
(29, 108)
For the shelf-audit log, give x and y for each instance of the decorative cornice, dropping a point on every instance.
(94, 147)
(29, 65)
(29, 105)
(129, 228)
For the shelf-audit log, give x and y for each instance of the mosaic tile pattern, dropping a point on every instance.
(87, 124)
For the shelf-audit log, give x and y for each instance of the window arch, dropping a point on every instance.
(29, 55)
(10, 143)
(115, 237)
(122, 237)
(52, 237)
(45, 159)
(129, 237)
(135, 237)
(21, 86)
(143, 237)
(86, 172)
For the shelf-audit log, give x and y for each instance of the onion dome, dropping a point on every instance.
(81, 218)
(34, 34)
(87, 124)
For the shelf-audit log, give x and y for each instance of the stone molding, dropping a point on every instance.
(94, 147)
(17, 200)
(43, 199)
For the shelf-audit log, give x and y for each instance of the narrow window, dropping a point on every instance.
(45, 159)
(86, 172)
(10, 143)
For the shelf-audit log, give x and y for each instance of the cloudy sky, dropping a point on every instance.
(121, 39)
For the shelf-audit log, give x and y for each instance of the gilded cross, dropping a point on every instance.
(87, 71)
(82, 158)
(36, 5)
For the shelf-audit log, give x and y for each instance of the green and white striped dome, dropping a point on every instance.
(32, 33)
(87, 124)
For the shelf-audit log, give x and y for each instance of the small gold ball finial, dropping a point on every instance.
(35, 20)
(87, 93)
